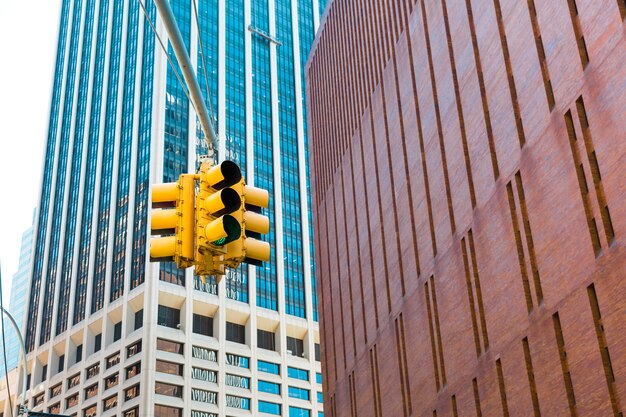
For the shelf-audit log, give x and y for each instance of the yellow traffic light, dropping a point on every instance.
(219, 227)
(215, 226)
(173, 218)
(250, 248)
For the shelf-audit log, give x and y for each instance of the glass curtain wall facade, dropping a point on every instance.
(17, 300)
(263, 150)
(120, 120)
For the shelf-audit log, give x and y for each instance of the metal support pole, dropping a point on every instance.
(178, 45)
(25, 369)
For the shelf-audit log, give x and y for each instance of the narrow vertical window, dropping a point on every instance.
(531, 377)
(545, 74)
(459, 106)
(605, 215)
(483, 91)
(578, 33)
(604, 349)
(582, 183)
(479, 412)
(520, 248)
(474, 294)
(621, 5)
(403, 366)
(502, 388)
(509, 71)
(530, 246)
(455, 412)
(435, 333)
(375, 382)
(596, 177)
(442, 148)
(567, 377)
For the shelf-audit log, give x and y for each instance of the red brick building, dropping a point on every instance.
(469, 193)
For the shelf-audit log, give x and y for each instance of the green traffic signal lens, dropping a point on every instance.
(232, 228)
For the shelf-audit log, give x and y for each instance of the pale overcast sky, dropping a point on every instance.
(28, 38)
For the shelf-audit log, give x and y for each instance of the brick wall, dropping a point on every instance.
(468, 164)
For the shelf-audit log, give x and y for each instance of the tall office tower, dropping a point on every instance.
(17, 301)
(468, 203)
(110, 333)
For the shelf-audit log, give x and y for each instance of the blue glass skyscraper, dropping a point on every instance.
(163, 341)
(17, 303)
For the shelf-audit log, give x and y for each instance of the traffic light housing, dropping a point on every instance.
(173, 219)
(249, 248)
(210, 219)
(215, 224)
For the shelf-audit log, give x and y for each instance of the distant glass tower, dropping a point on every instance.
(163, 342)
(17, 303)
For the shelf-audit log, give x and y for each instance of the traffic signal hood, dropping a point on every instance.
(173, 219)
(249, 247)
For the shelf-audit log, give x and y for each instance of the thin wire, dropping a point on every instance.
(167, 55)
(4, 349)
(206, 76)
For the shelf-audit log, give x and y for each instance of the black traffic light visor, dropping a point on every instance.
(230, 173)
(230, 201)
